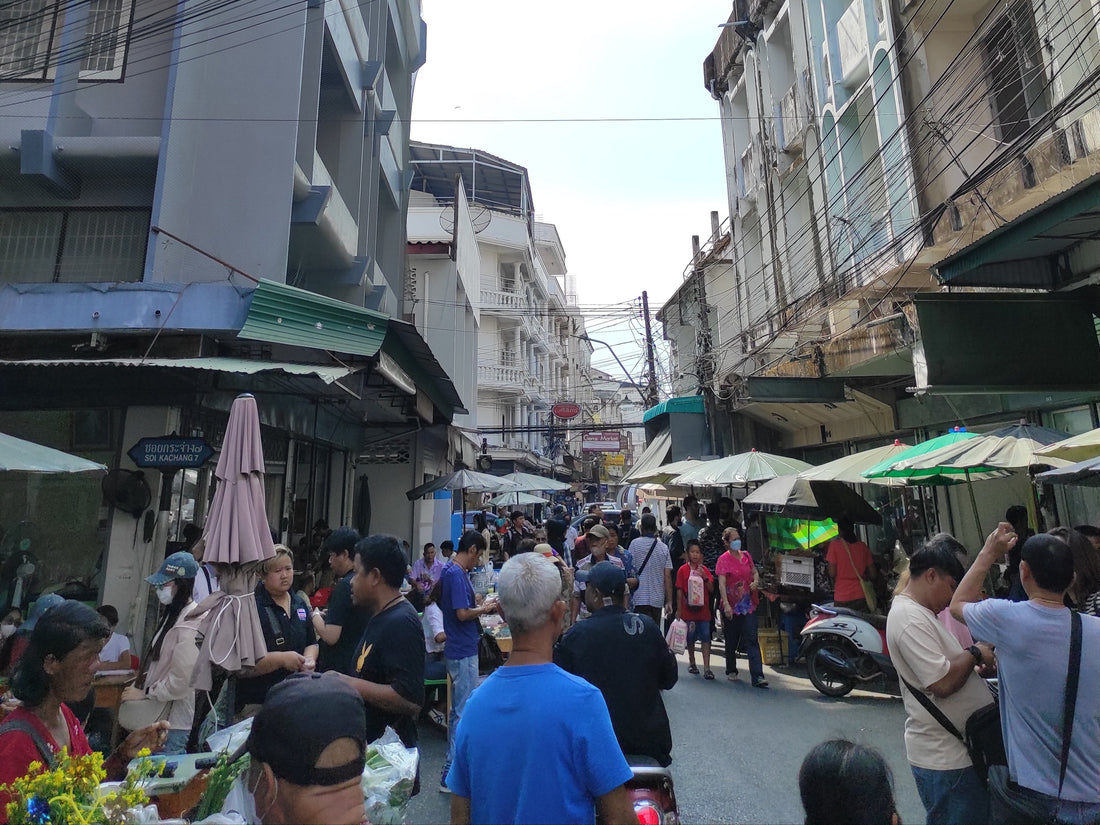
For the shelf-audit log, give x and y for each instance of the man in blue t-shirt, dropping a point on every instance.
(461, 623)
(536, 743)
(1032, 640)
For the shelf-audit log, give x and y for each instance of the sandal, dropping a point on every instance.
(708, 675)
(693, 669)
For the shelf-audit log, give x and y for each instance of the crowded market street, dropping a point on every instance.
(736, 750)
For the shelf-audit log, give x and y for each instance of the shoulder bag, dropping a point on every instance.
(49, 758)
(645, 561)
(868, 588)
(984, 739)
(1011, 803)
(140, 713)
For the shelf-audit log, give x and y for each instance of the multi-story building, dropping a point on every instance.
(519, 297)
(197, 200)
(875, 153)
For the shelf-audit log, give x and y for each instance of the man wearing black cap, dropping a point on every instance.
(308, 747)
(627, 658)
(342, 624)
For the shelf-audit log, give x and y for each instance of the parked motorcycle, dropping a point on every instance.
(652, 793)
(844, 648)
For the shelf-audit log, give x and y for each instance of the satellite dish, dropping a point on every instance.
(480, 218)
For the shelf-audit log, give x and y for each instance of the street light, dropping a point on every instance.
(626, 372)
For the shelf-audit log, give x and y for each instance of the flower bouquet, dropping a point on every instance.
(70, 793)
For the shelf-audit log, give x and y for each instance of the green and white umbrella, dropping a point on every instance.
(1014, 447)
(897, 467)
(741, 469)
(19, 456)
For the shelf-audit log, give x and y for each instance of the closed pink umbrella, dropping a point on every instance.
(237, 539)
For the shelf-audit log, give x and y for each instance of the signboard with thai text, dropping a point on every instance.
(170, 452)
(601, 442)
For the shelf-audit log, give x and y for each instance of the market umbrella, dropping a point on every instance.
(463, 480)
(1085, 472)
(1006, 448)
(528, 482)
(799, 498)
(850, 468)
(516, 499)
(237, 540)
(890, 467)
(19, 456)
(743, 468)
(1075, 448)
(667, 472)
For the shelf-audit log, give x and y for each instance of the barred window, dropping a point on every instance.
(30, 39)
(73, 246)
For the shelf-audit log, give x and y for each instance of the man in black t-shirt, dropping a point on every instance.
(389, 660)
(341, 627)
(625, 655)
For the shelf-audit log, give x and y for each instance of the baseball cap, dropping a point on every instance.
(605, 577)
(545, 549)
(301, 716)
(38, 610)
(181, 565)
(599, 531)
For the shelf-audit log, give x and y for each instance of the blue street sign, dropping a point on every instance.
(170, 452)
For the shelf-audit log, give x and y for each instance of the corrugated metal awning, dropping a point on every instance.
(243, 366)
(404, 344)
(681, 404)
(283, 314)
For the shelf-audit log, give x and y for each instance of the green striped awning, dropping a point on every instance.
(283, 314)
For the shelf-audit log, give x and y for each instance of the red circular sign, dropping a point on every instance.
(566, 409)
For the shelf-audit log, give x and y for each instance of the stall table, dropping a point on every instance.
(108, 695)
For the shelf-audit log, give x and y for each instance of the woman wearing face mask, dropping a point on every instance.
(164, 690)
(738, 588)
(16, 643)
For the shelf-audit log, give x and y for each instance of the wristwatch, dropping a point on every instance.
(974, 651)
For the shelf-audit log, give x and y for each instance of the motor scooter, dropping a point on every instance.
(844, 648)
(651, 792)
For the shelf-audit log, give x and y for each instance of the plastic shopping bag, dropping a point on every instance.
(388, 779)
(696, 590)
(677, 636)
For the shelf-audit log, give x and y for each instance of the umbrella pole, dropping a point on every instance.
(978, 525)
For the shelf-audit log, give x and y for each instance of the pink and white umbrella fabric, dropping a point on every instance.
(237, 540)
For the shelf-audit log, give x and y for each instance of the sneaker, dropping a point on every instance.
(438, 718)
(732, 676)
(760, 683)
(443, 788)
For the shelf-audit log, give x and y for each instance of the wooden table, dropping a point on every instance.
(108, 695)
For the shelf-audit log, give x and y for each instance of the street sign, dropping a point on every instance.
(601, 442)
(170, 452)
(566, 410)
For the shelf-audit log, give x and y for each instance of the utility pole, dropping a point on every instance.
(651, 387)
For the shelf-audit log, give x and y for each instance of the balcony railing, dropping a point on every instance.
(495, 299)
(501, 376)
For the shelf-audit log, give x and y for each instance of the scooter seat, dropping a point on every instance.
(876, 621)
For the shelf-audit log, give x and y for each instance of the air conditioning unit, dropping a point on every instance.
(791, 120)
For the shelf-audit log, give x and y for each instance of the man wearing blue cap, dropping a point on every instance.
(627, 658)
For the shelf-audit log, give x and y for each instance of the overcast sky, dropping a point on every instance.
(627, 186)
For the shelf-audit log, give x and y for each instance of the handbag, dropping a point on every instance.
(868, 588)
(489, 654)
(983, 737)
(1011, 803)
(140, 713)
(677, 636)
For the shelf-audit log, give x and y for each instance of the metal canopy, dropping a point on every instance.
(1030, 250)
(488, 180)
(681, 404)
(652, 456)
(412, 353)
(242, 366)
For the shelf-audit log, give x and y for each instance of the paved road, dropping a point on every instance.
(738, 748)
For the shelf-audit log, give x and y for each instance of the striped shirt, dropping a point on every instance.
(651, 581)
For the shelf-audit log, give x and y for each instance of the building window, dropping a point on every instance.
(73, 246)
(30, 39)
(1014, 70)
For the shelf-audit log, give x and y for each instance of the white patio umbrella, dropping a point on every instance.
(1075, 448)
(743, 468)
(667, 472)
(850, 468)
(1085, 472)
(516, 499)
(19, 456)
(528, 482)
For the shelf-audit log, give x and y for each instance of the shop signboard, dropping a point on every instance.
(601, 442)
(566, 410)
(170, 452)
(615, 460)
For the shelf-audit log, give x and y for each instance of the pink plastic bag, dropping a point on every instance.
(696, 595)
(677, 636)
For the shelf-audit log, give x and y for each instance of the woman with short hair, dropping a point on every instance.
(288, 632)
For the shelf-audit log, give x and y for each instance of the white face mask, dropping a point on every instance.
(6, 630)
(166, 592)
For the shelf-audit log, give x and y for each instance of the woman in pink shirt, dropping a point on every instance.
(738, 588)
(849, 559)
